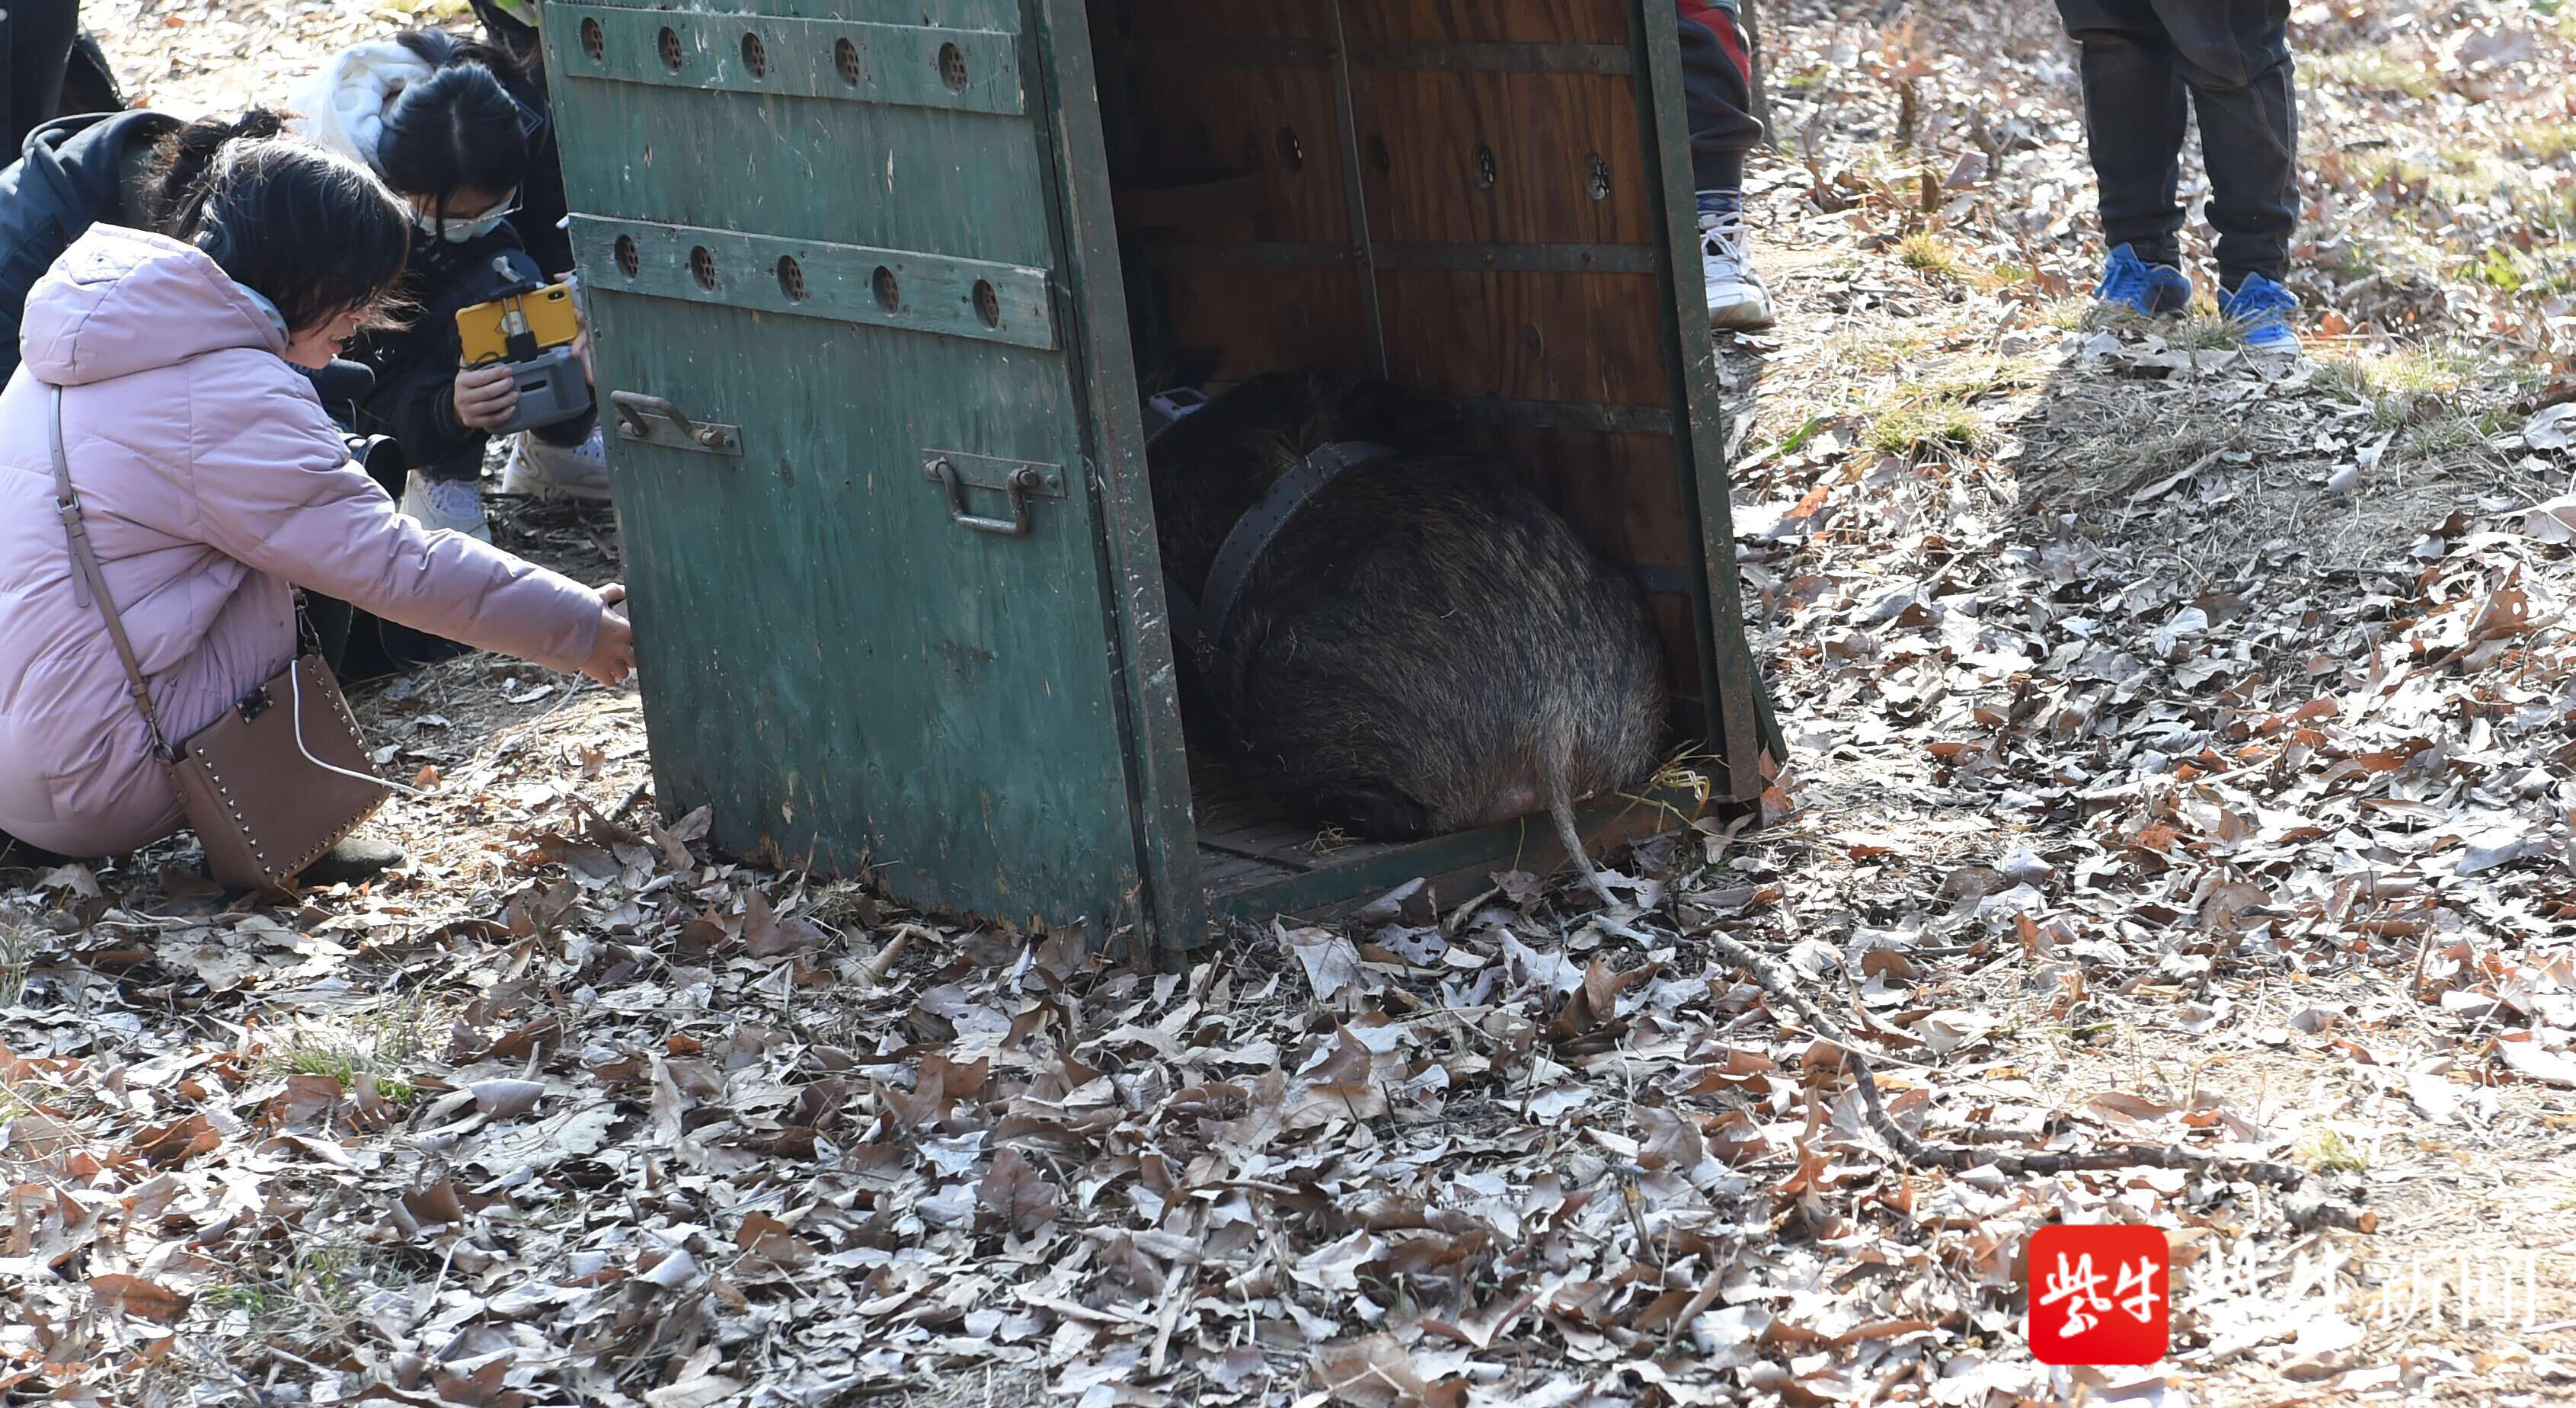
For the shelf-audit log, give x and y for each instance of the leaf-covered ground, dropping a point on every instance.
(2181, 753)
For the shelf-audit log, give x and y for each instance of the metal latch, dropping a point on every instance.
(1018, 480)
(651, 420)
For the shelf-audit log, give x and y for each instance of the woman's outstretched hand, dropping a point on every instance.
(614, 655)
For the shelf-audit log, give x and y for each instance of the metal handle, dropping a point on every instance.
(639, 411)
(1017, 485)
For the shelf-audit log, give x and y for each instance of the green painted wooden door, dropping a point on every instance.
(871, 557)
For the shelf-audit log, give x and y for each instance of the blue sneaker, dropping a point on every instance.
(2261, 311)
(2135, 284)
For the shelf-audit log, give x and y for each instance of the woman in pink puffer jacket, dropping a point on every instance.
(210, 480)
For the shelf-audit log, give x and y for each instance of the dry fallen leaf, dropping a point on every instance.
(1016, 1193)
(136, 1296)
(703, 1391)
(2114, 746)
(764, 935)
(507, 1099)
(1331, 961)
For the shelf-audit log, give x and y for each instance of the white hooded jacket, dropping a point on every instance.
(343, 107)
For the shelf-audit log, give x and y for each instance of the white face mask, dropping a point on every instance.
(460, 231)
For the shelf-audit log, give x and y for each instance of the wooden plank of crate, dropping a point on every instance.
(893, 288)
(1346, 133)
(1734, 688)
(1458, 864)
(964, 70)
(1172, 900)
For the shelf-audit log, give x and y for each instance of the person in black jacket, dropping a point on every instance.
(110, 168)
(455, 128)
(75, 172)
(35, 51)
(135, 169)
(511, 27)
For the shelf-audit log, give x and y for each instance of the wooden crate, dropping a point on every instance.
(871, 284)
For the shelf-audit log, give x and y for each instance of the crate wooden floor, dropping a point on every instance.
(1245, 840)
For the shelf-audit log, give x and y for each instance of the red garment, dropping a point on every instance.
(1722, 23)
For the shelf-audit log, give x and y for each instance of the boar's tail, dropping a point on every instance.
(1561, 808)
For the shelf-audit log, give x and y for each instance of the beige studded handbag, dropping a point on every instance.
(274, 782)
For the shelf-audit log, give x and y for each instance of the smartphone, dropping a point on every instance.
(546, 316)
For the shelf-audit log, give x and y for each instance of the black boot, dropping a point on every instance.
(355, 859)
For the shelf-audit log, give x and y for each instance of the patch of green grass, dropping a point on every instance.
(2329, 1152)
(2201, 329)
(2541, 141)
(2444, 398)
(378, 1044)
(1878, 351)
(1928, 253)
(1970, 378)
(345, 1067)
(2009, 274)
(1934, 413)
(2380, 70)
(2423, 371)
(18, 945)
(2069, 313)
(313, 1299)
(1918, 425)
(2535, 272)
(1802, 435)
(255, 1301)
(2373, 167)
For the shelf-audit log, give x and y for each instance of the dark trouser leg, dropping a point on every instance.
(2235, 57)
(455, 469)
(39, 37)
(19, 855)
(326, 626)
(2135, 117)
(1717, 95)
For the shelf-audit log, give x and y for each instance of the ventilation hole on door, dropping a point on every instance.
(952, 67)
(988, 304)
(791, 278)
(702, 265)
(755, 56)
(670, 45)
(889, 293)
(1598, 181)
(1486, 170)
(629, 262)
(845, 57)
(1292, 153)
(593, 43)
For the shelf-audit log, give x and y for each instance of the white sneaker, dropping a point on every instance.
(1736, 298)
(545, 471)
(453, 504)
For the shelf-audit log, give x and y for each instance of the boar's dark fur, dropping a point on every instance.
(1426, 646)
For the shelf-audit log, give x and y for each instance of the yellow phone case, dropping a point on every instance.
(485, 328)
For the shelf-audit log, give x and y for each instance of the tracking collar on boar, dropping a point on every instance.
(1422, 646)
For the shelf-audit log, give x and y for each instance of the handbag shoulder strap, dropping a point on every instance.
(92, 583)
